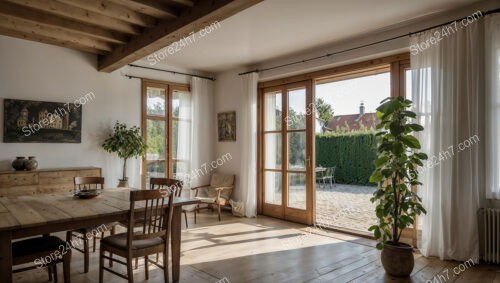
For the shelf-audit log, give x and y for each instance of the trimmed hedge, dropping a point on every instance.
(353, 154)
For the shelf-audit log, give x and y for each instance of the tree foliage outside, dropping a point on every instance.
(396, 171)
(126, 143)
(325, 110)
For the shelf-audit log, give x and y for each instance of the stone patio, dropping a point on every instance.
(346, 206)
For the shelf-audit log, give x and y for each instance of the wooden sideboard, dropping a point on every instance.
(43, 181)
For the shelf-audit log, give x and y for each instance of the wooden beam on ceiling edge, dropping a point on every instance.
(169, 31)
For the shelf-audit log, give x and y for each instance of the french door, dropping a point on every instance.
(287, 122)
(165, 118)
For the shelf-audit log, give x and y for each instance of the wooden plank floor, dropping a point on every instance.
(269, 250)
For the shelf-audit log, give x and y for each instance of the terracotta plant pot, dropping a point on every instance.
(123, 183)
(398, 260)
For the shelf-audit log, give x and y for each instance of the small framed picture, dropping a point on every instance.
(226, 125)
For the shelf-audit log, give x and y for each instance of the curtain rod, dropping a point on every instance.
(168, 71)
(361, 46)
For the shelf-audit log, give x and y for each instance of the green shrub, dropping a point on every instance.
(353, 154)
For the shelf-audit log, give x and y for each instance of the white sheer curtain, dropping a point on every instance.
(448, 92)
(492, 59)
(248, 161)
(203, 130)
(184, 129)
(271, 147)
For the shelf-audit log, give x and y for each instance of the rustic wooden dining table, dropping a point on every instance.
(25, 216)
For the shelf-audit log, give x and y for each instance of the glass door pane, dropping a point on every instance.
(155, 101)
(296, 118)
(296, 144)
(297, 190)
(273, 187)
(273, 148)
(181, 133)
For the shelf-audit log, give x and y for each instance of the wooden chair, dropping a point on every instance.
(153, 237)
(217, 193)
(161, 184)
(82, 184)
(38, 250)
(172, 184)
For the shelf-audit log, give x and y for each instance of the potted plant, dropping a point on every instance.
(127, 143)
(396, 173)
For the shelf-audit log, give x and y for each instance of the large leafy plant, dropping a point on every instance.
(396, 171)
(126, 142)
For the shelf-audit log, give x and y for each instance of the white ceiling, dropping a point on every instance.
(274, 28)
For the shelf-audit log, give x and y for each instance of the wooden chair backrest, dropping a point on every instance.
(88, 183)
(166, 184)
(150, 212)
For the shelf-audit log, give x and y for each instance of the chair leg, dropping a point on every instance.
(165, 265)
(130, 273)
(101, 264)
(195, 210)
(110, 254)
(49, 270)
(136, 262)
(218, 211)
(67, 267)
(94, 237)
(186, 218)
(54, 268)
(146, 269)
(86, 254)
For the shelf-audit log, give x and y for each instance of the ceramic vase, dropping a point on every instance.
(30, 164)
(18, 163)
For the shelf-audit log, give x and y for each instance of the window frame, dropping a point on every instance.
(167, 119)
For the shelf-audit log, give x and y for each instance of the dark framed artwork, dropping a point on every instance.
(226, 125)
(42, 122)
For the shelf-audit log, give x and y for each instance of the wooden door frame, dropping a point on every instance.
(397, 64)
(283, 211)
(169, 89)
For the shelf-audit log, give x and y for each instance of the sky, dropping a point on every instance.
(346, 96)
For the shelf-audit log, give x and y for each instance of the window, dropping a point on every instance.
(166, 128)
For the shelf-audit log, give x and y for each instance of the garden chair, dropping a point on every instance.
(328, 176)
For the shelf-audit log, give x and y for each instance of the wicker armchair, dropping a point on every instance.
(217, 193)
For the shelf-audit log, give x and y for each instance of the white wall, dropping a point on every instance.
(228, 92)
(35, 71)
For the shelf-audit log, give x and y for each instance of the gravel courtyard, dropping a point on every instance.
(346, 206)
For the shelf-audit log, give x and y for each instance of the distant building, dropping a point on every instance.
(353, 122)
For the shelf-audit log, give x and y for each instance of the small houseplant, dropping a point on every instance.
(127, 143)
(396, 173)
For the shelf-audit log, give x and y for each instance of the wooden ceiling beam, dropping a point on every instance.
(113, 10)
(153, 8)
(28, 30)
(182, 3)
(36, 16)
(167, 32)
(77, 14)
